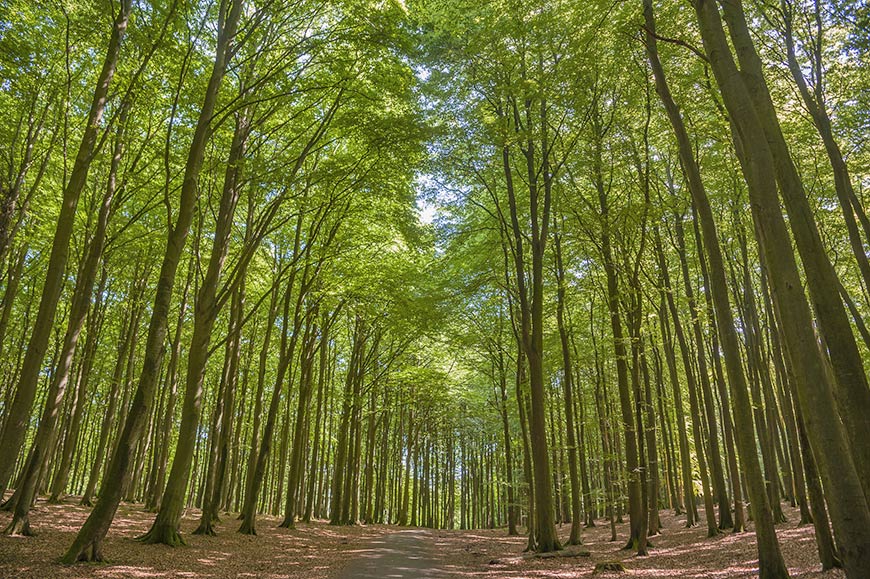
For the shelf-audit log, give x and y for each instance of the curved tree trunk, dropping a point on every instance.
(770, 557)
(848, 505)
(88, 543)
(15, 425)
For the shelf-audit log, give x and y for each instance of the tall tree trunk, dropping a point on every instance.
(568, 393)
(15, 425)
(739, 521)
(300, 441)
(850, 386)
(206, 308)
(709, 412)
(81, 300)
(508, 453)
(771, 563)
(70, 445)
(171, 386)
(125, 343)
(848, 506)
(622, 378)
(88, 543)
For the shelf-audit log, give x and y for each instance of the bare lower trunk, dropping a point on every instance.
(15, 425)
(88, 543)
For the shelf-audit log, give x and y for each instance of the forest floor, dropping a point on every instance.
(319, 551)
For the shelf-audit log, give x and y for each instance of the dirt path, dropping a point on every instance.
(405, 554)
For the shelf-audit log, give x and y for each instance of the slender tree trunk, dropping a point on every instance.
(15, 425)
(739, 522)
(171, 383)
(88, 543)
(632, 461)
(125, 342)
(848, 505)
(568, 393)
(300, 442)
(770, 557)
(709, 412)
(206, 309)
(70, 445)
(850, 386)
(506, 434)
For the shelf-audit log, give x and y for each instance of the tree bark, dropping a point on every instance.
(15, 425)
(848, 505)
(88, 543)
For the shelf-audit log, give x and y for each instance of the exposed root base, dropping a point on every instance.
(609, 567)
(162, 535)
(248, 528)
(556, 546)
(19, 528)
(633, 545)
(90, 553)
(205, 529)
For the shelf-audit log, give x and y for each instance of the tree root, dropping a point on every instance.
(609, 567)
(163, 535)
(19, 527)
(205, 528)
(248, 527)
(91, 552)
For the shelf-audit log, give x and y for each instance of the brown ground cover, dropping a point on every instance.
(677, 553)
(317, 550)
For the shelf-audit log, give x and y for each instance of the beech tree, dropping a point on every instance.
(443, 264)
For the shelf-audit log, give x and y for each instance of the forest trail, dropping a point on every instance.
(405, 554)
